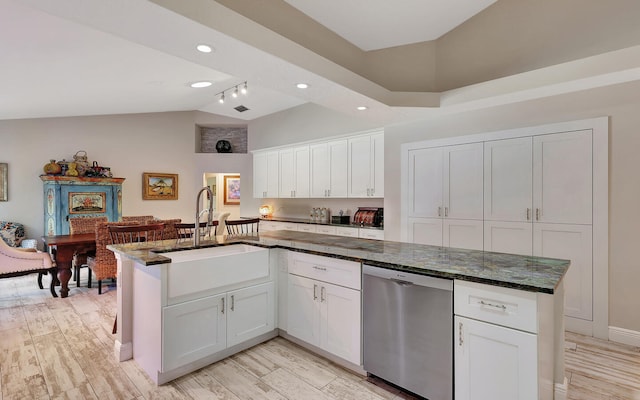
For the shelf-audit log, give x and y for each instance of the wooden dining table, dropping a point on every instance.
(63, 247)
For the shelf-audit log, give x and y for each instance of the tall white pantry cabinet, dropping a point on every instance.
(534, 191)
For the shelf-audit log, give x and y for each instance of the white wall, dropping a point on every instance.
(129, 144)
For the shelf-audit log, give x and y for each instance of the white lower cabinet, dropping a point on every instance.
(193, 330)
(508, 343)
(494, 362)
(199, 328)
(324, 304)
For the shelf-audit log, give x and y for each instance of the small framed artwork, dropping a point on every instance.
(156, 186)
(87, 202)
(4, 167)
(232, 189)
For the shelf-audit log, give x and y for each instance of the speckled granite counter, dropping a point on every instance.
(533, 274)
(308, 221)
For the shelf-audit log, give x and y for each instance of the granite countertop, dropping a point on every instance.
(528, 273)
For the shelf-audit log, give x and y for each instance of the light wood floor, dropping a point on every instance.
(62, 349)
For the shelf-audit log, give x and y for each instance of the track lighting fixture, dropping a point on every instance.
(234, 91)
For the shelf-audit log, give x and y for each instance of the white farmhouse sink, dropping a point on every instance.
(210, 268)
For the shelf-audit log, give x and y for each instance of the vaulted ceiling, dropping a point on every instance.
(90, 57)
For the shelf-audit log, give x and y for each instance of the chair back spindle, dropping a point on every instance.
(243, 226)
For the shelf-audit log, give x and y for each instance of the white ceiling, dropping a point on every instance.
(74, 57)
(95, 57)
(378, 24)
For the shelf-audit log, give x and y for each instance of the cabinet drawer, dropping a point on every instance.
(306, 228)
(501, 306)
(371, 234)
(326, 269)
(346, 231)
(326, 230)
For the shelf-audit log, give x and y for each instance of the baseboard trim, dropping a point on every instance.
(560, 390)
(624, 336)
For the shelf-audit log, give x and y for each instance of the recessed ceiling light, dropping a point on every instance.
(201, 84)
(302, 85)
(362, 108)
(204, 48)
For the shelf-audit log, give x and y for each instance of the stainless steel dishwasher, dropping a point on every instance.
(408, 331)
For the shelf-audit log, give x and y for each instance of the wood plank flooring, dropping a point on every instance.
(63, 349)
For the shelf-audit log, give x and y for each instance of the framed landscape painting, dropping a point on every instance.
(157, 186)
(232, 189)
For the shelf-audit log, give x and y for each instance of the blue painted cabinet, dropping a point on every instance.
(68, 197)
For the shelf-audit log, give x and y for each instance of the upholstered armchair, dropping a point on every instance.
(16, 261)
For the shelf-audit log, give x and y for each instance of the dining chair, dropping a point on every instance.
(104, 264)
(185, 230)
(242, 226)
(79, 225)
(120, 234)
(141, 219)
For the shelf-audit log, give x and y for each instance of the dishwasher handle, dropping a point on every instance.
(401, 282)
(410, 278)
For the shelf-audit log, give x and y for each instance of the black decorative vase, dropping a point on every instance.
(223, 146)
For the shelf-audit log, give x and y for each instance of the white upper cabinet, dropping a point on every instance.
(294, 172)
(366, 166)
(446, 182)
(265, 174)
(328, 169)
(563, 177)
(508, 179)
(463, 186)
(425, 182)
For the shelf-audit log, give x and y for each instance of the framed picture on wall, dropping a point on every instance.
(3, 181)
(156, 186)
(232, 189)
(87, 202)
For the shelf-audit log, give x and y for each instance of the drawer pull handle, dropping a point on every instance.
(322, 297)
(460, 335)
(233, 302)
(222, 305)
(319, 268)
(499, 306)
(315, 294)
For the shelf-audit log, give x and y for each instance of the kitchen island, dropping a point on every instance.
(538, 280)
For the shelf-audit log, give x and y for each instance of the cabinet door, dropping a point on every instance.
(462, 233)
(572, 242)
(251, 312)
(425, 183)
(377, 165)
(193, 330)
(508, 180)
(360, 161)
(319, 164)
(340, 321)
(287, 180)
(301, 168)
(493, 362)
(562, 177)
(425, 231)
(294, 172)
(508, 237)
(303, 315)
(74, 199)
(463, 181)
(265, 174)
(338, 162)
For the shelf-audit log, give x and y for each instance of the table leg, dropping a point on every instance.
(64, 258)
